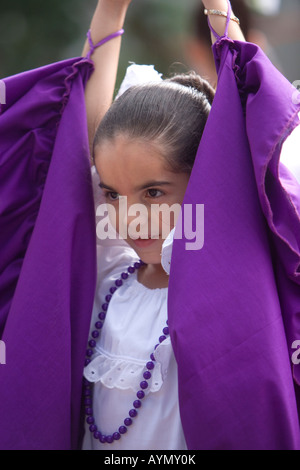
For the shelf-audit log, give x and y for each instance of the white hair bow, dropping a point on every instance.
(138, 75)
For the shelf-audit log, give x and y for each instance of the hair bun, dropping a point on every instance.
(192, 80)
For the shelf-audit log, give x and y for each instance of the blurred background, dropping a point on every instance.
(165, 33)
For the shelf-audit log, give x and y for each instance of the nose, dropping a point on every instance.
(134, 219)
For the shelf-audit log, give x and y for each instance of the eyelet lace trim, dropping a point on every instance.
(126, 373)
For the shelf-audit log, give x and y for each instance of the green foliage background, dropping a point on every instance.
(36, 32)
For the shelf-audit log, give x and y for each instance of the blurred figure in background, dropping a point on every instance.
(198, 47)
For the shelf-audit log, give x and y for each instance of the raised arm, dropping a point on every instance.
(218, 22)
(109, 17)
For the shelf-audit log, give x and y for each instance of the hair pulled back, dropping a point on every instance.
(171, 114)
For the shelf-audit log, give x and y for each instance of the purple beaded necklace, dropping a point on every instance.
(88, 401)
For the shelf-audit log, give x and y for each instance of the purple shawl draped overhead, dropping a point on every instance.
(47, 261)
(234, 306)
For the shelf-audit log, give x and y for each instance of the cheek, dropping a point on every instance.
(131, 221)
(113, 216)
(164, 218)
(138, 220)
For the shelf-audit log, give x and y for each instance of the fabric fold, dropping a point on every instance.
(232, 336)
(48, 260)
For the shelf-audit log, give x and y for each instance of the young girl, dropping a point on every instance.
(144, 152)
(141, 151)
(188, 348)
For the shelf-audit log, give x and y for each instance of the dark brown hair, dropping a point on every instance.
(171, 114)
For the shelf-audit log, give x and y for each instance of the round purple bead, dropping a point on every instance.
(128, 422)
(95, 334)
(119, 283)
(150, 365)
(89, 353)
(88, 401)
(93, 428)
(137, 404)
(117, 436)
(109, 439)
(108, 298)
(102, 316)
(147, 375)
(133, 413)
(112, 290)
(89, 411)
(166, 331)
(140, 394)
(131, 270)
(162, 339)
(90, 420)
(102, 439)
(144, 385)
(87, 362)
(137, 265)
(123, 430)
(124, 276)
(152, 357)
(97, 435)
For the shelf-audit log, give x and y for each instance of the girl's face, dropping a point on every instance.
(143, 195)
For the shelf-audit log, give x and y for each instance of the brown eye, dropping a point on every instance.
(154, 193)
(112, 196)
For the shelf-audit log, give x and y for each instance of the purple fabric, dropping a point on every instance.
(102, 42)
(234, 306)
(47, 262)
(229, 12)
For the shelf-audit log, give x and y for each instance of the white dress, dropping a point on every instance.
(290, 155)
(135, 320)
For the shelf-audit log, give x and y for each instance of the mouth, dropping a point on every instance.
(144, 242)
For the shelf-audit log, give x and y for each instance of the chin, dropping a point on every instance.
(148, 254)
(148, 259)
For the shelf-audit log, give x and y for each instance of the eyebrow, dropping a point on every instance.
(150, 184)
